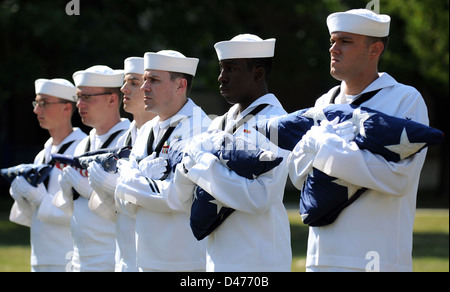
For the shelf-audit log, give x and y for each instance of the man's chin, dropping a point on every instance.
(148, 108)
(335, 75)
(229, 98)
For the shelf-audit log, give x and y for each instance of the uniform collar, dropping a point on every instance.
(185, 112)
(384, 80)
(124, 124)
(76, 134)
(268, 98)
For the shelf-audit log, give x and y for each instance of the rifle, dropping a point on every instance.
(107, 158)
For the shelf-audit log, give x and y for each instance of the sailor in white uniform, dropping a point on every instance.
(256, 236)
(99, 99)
(51, 242)
(375, 232)
(164, 241)
(104, 183)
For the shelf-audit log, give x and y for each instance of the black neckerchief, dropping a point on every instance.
(76, 195)
(128, 141)
(151, 139)
(60, 151)
(359, 100)
(104, 145)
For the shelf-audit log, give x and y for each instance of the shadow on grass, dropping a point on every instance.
(299, 239)
(426, 244)
(12, 234)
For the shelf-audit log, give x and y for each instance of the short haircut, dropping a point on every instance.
(371, 40)
(189, 79)
(266, 63)
(74, 105)
(117, 91)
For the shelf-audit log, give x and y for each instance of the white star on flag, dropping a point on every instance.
(222, 160)
(405, 148)
(358, 120)
(219, 205)
(315, 114)
(351, 189)
(195, 196)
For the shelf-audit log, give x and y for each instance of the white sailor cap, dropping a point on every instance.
(171, 61)
(359, 21)
(134, 65)
(99, 76)
(245, 46)
(57, 87)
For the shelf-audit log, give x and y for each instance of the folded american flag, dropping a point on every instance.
(324, 197)
(33, 173)
(107, 158)
(244, 159)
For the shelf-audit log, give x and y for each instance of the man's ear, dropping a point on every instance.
(114, 99)
(260, 73)
(182, 84)
(68, 107)
(376, 49)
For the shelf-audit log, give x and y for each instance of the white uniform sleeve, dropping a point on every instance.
(126, 208)
(50, 213)
(103, 204)
(362, 168)
(64, 201)
(21, 212)
(299, 165)
(247, 195)
(179, 192)
(184, 188)
(102, 198)
(155, 195)
(365, 169)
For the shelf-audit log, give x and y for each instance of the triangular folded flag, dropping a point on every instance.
(244, 159)
(33, 173)
(391, 137)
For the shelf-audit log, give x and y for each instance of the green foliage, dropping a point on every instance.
(426, 32)
(40, 40)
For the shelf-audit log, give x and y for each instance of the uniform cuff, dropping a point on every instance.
(204, 164)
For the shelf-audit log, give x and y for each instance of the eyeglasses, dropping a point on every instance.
(87, 97)
(44, 104)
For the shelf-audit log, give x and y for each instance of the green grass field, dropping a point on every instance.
(430, 241)
(430, 252)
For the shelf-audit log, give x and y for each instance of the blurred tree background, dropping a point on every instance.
(39, 40)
